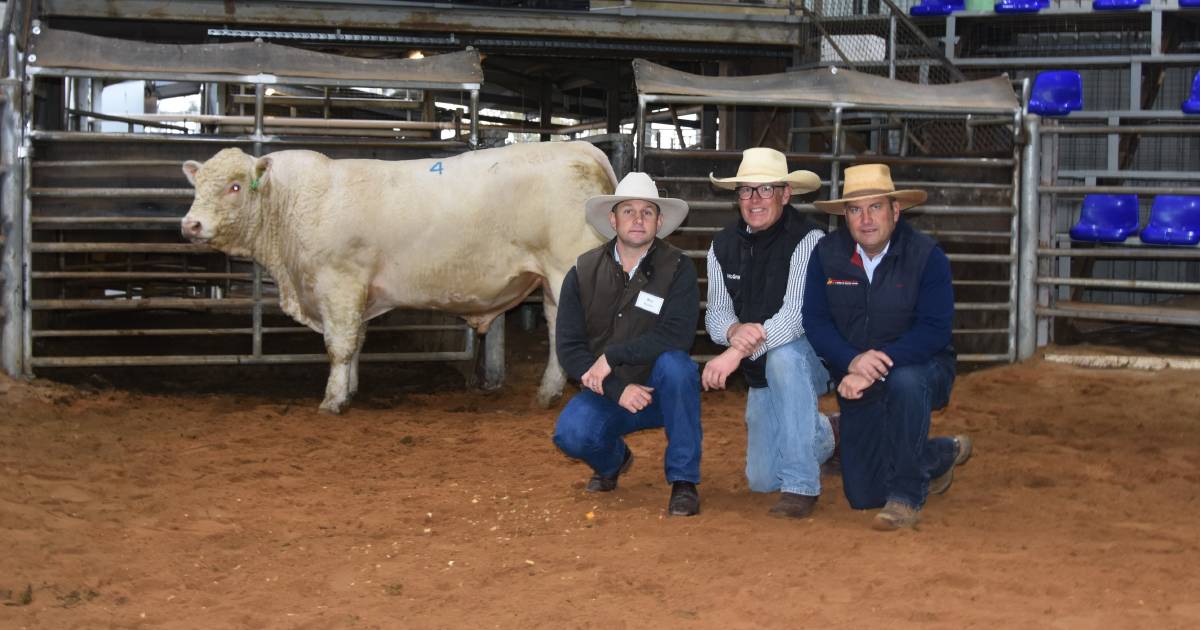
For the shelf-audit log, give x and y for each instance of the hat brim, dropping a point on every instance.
(800, 181)
(597, 209)
(907, 199)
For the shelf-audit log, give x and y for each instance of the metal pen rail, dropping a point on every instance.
(833, 159)
(80, 273)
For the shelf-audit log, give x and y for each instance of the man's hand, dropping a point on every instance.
(746, 337)
(636, 397)
(719, 369)
(871, 364)
(593, 379)
(853, 386)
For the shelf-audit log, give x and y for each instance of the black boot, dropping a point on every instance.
(599, 483)
(685, 499)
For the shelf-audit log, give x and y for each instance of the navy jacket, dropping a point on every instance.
(907, 312)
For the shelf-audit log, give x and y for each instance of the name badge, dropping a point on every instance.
(648, 302)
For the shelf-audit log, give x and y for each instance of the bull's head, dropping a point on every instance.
(227, 186)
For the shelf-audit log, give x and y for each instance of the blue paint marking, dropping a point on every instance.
(436, 168)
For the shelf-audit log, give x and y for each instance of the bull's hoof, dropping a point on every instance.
(334, 408)
(546, 400)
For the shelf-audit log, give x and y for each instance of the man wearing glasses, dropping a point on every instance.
(756, 273)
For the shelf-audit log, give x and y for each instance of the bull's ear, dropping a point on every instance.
(262, 170)
(190, 168)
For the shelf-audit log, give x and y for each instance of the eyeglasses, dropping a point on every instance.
(765, 191)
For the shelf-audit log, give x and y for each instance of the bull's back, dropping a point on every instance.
(464, 232)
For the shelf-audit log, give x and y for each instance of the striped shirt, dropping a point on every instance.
(785, 325)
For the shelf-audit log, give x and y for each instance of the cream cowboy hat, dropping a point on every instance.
(765, 166)
(870, 180)
(635, 186)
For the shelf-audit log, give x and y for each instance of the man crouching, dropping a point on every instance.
(627, 317)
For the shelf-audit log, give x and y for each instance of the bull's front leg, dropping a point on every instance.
(553, 378)
(341, 312)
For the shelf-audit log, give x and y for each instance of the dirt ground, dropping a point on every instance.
(231, 503)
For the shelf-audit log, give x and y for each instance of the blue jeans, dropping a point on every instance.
(887, 454)
(787, 440)
(591, 426)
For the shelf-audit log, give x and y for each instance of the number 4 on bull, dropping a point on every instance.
(436, 168)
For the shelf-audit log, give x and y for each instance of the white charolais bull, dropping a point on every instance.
(347, 240)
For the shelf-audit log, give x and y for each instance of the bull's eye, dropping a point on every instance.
(234, 187)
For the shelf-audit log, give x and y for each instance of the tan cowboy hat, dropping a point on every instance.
(764, 166)
(635, 186)
(870, 180)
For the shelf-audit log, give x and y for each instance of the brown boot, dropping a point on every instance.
(896, 515)
(833, 465)
(793, 505)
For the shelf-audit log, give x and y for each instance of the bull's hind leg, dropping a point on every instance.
(553, 379)
(341, 312)
(362, 337)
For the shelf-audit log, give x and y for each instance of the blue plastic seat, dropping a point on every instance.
(1192, 105)
(1021, 6)
(1056, 93)
(937, 7)
(1106, 218)
(1116, 5)
(1174, 220)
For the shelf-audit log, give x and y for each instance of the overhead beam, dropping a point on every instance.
(715, 28)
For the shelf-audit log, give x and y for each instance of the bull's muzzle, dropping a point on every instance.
(191, 229)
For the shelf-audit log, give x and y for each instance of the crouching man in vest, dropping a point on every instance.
(756, 272)
(627, 317)
(878, 308)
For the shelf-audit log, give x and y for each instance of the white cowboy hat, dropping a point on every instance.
(635, 186)
(761, 165)
(870, 180)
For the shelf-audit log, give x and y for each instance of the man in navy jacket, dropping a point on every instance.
(878, 308)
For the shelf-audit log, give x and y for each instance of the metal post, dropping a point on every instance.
(892, 47)
(1030, 173)
(12, 226)
(68, 119)
(493, 355)
(26, 168)
(257, 313)
(473, 138)
(639, 143)
(259, 93)
(835, 166)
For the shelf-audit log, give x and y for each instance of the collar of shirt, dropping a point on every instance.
(617, 257)
(870, 264)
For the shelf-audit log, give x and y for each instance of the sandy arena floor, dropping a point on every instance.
(241, 507)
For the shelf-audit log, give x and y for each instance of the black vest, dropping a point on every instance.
(756, 268)
(609, 295)
(871, 315)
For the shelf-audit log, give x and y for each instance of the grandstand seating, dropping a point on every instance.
(1021, 6)
(1106, 218)
(1174, 220)
(1056, 93)
(1117, 5)
(1192, 105)
(936, 7)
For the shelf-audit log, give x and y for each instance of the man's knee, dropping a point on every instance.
(574, 433)
(787, 359)
(675, 365)
(908, 381)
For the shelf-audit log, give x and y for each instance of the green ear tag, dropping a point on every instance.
(254, 184)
